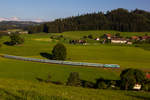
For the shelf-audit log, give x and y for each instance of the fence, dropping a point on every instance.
(63, 62)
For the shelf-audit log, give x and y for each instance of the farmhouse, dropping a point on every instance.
(137, 86)
(108, 36)
(23, 32)
(145, 37)
(119, 40)
(97, 39)
(148, 76)
(135, 38)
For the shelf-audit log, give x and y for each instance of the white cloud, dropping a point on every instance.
(4, 19)
(18, 19)
(38, 20)
(14, 19)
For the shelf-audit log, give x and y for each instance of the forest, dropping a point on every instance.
(119, 19)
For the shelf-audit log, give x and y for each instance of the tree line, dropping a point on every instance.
(119, 19)
(128, 79)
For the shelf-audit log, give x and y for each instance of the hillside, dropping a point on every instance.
(119, 19)
(11, 89)
(24, 70)
(35, 44)
(19, 79)
(5, 25)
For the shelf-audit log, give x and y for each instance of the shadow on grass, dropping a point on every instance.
(25, 95)
(10, 96)
(139, 96)
(46, 55)
(49, 81)
(8, 43)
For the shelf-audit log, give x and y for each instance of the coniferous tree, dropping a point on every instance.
(119, 19)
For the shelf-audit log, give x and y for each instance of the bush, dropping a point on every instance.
(84, 37)
(90, 36)
(102, 85)
(118, 35)
(59, 52)
(146, 87)
(74, 79)
(112, 84)
(88, 84)
(16, 39)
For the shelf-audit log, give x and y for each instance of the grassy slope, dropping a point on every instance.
(30, 70)
(23, 90)
(124, 55)
(14, 88)
(80, 34)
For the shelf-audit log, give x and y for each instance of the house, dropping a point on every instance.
(130, 43)
(23, 32)
(97, 39)
(119, 40)
(145, 37)
(135, 38)
(148, 76)
(137, 86)
(108, 36)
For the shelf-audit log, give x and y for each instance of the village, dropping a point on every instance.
(113, 39)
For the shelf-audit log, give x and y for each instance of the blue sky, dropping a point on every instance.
(52, 9)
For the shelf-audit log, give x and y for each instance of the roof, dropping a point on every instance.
(145, 37)
(119, 39)
(135, 37)
(148, 75)
(108, 35)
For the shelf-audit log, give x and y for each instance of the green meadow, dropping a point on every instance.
(23, 70)
(125, 56)
(11, 89)
(80, 34)
(18, 78)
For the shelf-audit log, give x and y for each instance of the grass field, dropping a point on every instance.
(80, 34)
(18, 78)
(126, 56)
(11, 89)
(23, 70)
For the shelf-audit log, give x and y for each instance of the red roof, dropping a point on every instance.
(148, 76)
(145, 37)
(135, 37)
(108, 35)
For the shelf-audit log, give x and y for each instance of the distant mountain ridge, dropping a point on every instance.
(4, 25)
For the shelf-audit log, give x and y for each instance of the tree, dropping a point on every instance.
(101, 84)
(119, 19)
(87, 84)
(129, 77)
(90, 36)
(74, 79)
(59, 52)
(16, 39)
(118, 35)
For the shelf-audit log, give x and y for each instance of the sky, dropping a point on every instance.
(49, 10)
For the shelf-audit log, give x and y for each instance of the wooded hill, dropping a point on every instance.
(119, 19)
(5, 25)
